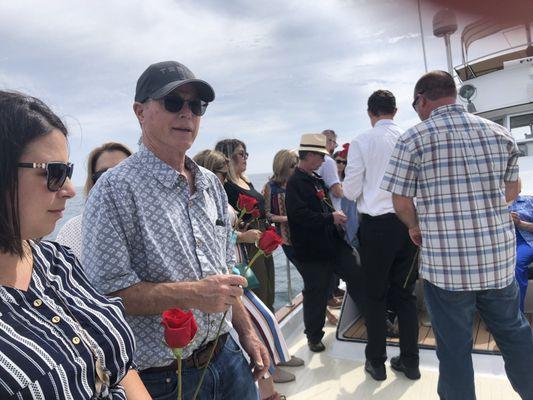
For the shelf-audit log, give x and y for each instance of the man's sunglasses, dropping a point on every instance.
(174, 104)
(416, 100)
(341, 162)
(56, 173)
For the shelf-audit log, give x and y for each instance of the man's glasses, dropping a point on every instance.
(174, 104)
(56, 173)
(98, 174)
(341, 162)
(416, 100)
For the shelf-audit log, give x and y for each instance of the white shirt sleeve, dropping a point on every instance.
(328, 172)
(355, 172)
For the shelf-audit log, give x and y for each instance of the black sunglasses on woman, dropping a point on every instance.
(56, 173)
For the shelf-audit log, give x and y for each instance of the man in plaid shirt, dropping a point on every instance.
(462, 169)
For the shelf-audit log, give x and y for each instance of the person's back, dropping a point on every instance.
(462, 170)
(462, 162)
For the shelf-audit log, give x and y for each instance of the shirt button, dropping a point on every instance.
(37, 303)
(168, 380)
(56, 319)
(76, 340)
(198, 242)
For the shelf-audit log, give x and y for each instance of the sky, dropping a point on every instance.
(279, 68)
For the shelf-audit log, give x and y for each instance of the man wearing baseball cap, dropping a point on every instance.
(157, 234)
(317, 238)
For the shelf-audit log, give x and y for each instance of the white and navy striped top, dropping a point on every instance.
(42, 353)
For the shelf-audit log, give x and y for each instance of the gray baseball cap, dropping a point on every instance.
(161, 78)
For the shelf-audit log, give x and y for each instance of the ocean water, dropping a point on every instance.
(75, 207)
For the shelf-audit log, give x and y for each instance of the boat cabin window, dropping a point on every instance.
(521, 126)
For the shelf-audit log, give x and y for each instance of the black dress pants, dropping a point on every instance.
(317, 279)
(387, 255)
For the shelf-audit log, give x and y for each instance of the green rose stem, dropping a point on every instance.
(415, 258)
(255, 257)
(204, 370)
(177, 354)
(201, 381)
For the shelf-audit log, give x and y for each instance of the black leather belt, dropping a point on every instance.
(198, 359)
(378, 217)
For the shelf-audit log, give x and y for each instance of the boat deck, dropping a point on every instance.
(338, 373)
(483, 340)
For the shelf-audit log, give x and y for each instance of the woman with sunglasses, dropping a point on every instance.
(341, 158)
(237, 183)
(101, 159)
(60, 338)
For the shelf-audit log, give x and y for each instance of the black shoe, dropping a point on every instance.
(316, 347)
(378, 373)
(410, 372)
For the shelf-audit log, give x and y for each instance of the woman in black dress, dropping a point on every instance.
(237, 183)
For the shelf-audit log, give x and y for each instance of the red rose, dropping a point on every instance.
(246, 203)
(180, 327)
(320, 194)
(269, 241)
(256, 213)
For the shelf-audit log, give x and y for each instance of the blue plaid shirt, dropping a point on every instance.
(455, 164)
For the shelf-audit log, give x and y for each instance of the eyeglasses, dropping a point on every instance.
(98, 174)
(332, 141)
(416, 100)
(243, 154)
(341, 162)
(174, 104)
(56, 173)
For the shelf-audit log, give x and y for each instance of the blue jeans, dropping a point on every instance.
(524, 257)
(228, 377)
(452, 316)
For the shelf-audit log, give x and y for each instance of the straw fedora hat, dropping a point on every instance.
(315, 142)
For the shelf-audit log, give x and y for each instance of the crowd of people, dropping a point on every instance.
(81, 316)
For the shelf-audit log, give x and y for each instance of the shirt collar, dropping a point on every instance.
(383, 122)
(165, 174)
(448, 108)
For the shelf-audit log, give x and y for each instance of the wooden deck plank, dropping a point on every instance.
(482, 338)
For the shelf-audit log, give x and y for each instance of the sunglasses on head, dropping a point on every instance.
(341, 162)
(98, 174)
(174, 104)
(56, 173)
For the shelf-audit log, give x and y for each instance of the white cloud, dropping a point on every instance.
(279, 68)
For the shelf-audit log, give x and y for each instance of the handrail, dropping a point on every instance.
(467, 63)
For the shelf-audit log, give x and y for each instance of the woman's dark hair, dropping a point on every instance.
(228, 147)
(93, 159)
(22, 119)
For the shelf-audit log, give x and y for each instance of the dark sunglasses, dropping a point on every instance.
(56, 173)
(341, 162)
(416, 100)
(98, 174)
(174, 104)
(243, 154)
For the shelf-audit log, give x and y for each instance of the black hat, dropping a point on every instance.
(162, 78)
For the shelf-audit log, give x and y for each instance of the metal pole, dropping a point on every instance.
(289, 285)
(422, 37)
(449, 53)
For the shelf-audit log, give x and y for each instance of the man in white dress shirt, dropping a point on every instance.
(387, 253)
